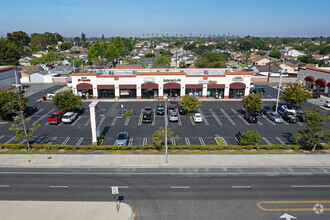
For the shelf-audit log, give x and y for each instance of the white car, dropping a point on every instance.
(288, 108)
(198, 117)
(69, 117)
(327, 104)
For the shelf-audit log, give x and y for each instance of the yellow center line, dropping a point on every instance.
(259, 204)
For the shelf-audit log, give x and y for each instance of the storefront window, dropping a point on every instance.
(106, 93)
(195, 92)
(149, 93)
(215, 93)
(320, 89)
(236, 93)
(127, 93)
(172, 93)
(85, 93)
(309, 85)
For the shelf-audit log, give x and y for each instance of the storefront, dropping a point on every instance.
(194, 90)
(215, 91)
(149, 90)
(172, 90)
(106, 91)
(85, 90)
(127, 91)
(236, 90)
(309, 82)
(320, 85)
(328, 87)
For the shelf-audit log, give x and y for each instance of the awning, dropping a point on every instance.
(127, 86)
(81, 86)
(309, 79)
(106, 87)
(216, 86)
(237, 85)
(194, 86)
(320, 82)
(172, 86)
(149, 86)
(328, 84)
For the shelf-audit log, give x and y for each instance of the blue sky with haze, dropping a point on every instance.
(137, 17)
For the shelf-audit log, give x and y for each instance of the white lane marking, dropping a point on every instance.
(58, 186)
(192, 121)
(299, 123)
(280, 140)
(2, 136)
(87, 122)
(173, 142)
(154, 119)
(240, 187)
(22, 141)
(127, 121)
(38, 140)
(270, 121)
(76, 121)
(227, 116)
(187, 141)
(259, 122)
(114, 121)
(201, 140)
(140, 118)
(266, 140)
(285, 122)
(102, 120)
(204, 119)
(310, 186)
(66, 141)
(79, 141)
(130, 141)
(179, 118)
(144, 141)
(240, 116)
(42, 117)
(4, 186)
(180, 187)
(51, 141)
(122, 187)
(215, 116)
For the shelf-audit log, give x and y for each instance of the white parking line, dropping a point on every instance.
(266, 140)
(102, 120)
(310, 186)
(285, 122)
(299, 123)
(240, 116)
(201, 140)
(280, 140)
(227, 116)
(58, 186)
(192, 121)
(144, 141)
(127, 121)
(66, 141)
(22, 141)
(4, 186)
(114, 121)
(2, 136)
(75, 122)
(130, 141)
(215, 116)
(240, 187)
(187, 141)
(270, 121)
(87, 122)
(259, 122)
(180, 187)
(79, 141)
(51, 141)
(42, 117)
(179, 118)
(154, 119)
(140, 119)
(38, 140)
(173, 142)
(204, 118)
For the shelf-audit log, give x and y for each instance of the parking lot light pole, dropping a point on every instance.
(166, 153)
(279, 87)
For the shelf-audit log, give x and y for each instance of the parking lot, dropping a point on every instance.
(220, 119)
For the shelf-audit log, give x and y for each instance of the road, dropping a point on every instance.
(215, 193)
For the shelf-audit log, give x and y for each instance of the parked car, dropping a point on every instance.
(251, 117)
(301, 116)
(147, 117)
(198, 117)
(122, 138)
(173, 116)
(160, 110)
(327, 104)
(148, 109)
(170, 109)
(280, 110)
(30, 110)
(266, 109)
(290, 117)
(316, 95)
(182, 111)
(55, 118)
(258, 89)
(69, 117)
(79, 110)
(288, 108)
(275, 117)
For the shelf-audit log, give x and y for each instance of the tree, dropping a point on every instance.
(119, 43)
(158, 137)
(9, 104)
(275, 54)
(311, 135)
(66, 101)
(66, 46)
(112, 53)
(190, 102)
(296, 94)
(9, 52)
(50, 57)
(250, 138)
(76, 40)
(83, 37)
(19, 38)
(261, 53)
(149, 55)
(163, 61)
(211, 60)
(327, 136)
(94, 52)
(245, 45)
(38, 40)
(77, 62)
(253, 102)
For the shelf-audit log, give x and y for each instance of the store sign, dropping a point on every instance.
(124, 93)
(149, 79)
(203, 82)
(84, 79)
(212, 82)
(171, 80)
(238, 79)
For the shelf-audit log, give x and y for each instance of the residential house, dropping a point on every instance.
(274, 70)
(25, 61)
(27, 71)
(9, 78)
(290, 52)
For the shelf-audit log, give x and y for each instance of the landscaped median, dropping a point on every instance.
(39, 148)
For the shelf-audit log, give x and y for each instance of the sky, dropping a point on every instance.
(295, 18)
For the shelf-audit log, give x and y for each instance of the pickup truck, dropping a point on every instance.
(55, 118)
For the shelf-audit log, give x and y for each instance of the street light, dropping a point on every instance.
(166, 147)
(279, 86)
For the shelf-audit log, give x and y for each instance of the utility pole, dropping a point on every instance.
(166, 147)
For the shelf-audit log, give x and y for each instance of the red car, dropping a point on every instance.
(55, 118)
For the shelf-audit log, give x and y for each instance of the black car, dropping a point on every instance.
(160, 110)
(290, 117)
(30, 110)
(280, 110)
(147, 109)
(316, 95)
(182, 111)
(170, 109)
(147, 117)
(79, 110)
(301, 116)
(257, 89)
(251, 117)
(266, 109)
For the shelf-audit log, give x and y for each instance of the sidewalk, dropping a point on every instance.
(156, 161)
(34, 210)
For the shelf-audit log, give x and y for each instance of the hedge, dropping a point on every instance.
(151, 147)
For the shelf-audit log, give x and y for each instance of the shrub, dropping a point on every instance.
(128, 114)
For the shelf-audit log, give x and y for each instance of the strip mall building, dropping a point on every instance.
(315, 79)
(154, 84)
